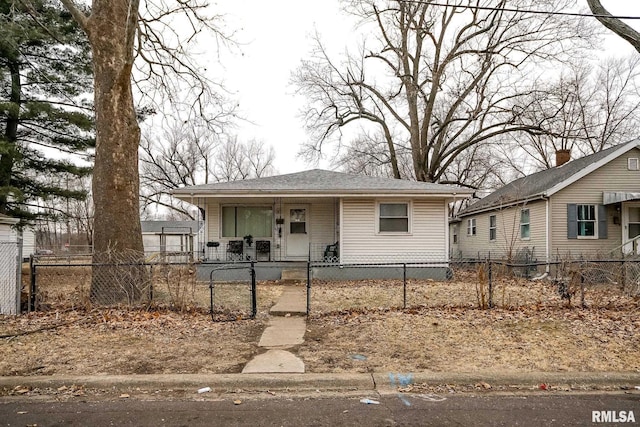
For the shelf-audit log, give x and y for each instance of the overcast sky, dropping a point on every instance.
(277, 38)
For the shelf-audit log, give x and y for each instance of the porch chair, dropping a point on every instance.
(234, 250)
(331, 253)
(263, 247)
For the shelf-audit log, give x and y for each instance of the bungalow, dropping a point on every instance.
(586, 206)
(321, 215)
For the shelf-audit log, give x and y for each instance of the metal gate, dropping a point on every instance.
(226, 292)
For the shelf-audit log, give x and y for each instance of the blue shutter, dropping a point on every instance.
(572, 221)
(602, 222)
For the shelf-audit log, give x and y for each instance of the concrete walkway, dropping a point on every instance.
(285, 330)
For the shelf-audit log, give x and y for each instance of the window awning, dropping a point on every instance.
(609, 198)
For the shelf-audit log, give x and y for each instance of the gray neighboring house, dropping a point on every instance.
(172, 238)
(320, 215)
(586, 206)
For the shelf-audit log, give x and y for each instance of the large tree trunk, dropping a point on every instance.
(8, 152)
(117, 232)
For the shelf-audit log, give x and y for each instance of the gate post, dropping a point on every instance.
(32, 285)
(254, 297)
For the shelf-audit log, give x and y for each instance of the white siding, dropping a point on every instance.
(7, 233)
(212, 222)
(360, 243)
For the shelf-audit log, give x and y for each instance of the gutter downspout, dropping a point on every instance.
(547, 232)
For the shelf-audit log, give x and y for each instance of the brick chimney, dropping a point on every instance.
(562, 157)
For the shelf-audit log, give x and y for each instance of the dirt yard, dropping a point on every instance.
(347, 331)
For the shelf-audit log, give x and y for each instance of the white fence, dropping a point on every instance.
(10, 277)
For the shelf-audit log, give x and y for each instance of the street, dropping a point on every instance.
(402, 410)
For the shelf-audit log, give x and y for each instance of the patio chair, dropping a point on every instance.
(234, 250)
(263, 247)
(331, 253)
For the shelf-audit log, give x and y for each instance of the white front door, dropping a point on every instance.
(297, 231)
(631, 227)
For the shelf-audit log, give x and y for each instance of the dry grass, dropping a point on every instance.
(468, 340)
(441, 330)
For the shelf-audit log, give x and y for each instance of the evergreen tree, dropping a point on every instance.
(46, 116)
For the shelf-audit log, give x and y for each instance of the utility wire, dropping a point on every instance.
(536, 12)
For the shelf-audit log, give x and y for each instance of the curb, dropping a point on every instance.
(221, 383)
(343, 382)
(389, 383)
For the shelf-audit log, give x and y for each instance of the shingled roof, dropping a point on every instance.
(543, 183)
(319, 182)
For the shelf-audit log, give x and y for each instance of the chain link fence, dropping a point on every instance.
(80, 282)
(244, 290)
(473, 284)
(10, 272)
(228, 292)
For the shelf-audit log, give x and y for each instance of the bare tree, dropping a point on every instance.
(614, 24)
(236, 160)
(585, 110)
(186, 154)
(437, 80)
(182, 154)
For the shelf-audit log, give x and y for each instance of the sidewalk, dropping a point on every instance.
(286, 330)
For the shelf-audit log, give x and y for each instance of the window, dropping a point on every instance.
(455, 234)
(633, 163)
(525, 224)
(393, 218)
(240, 221)
(471, 227)
(586, 221)
(492, 227)
(298, 221)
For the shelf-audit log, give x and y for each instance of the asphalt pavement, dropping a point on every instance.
(406, 410)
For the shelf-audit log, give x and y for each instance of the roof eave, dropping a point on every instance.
(187, 196)
(496, 207)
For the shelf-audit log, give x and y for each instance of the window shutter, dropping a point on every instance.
(572, 221)
(602, 222)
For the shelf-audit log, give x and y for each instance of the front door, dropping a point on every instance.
(297, 231)
(631, 227)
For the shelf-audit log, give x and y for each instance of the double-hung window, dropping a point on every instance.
(471, 227)
(587, 221)
(525, 224)
(493, 227)
(393, 217)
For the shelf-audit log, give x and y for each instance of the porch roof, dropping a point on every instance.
(318, 183)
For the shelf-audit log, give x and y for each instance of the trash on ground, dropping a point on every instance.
(368, 401)
(358, 357)
(204, 390)
(237, 402)
(431, 397)
(124, 396)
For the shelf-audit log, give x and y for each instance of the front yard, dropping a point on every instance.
(349, 330)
